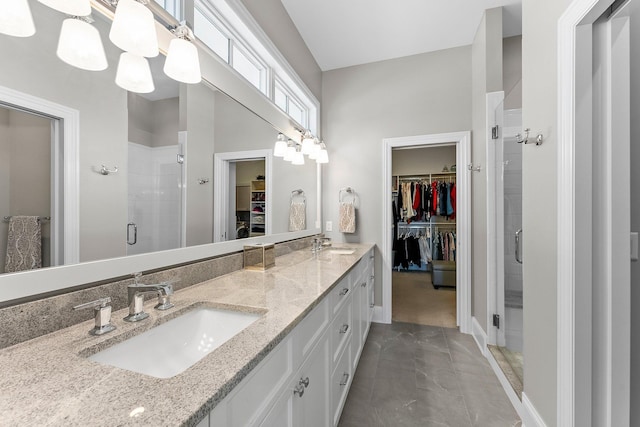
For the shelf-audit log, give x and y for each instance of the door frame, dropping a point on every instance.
(462, 141)
(65, 155)
(221, 188)
(575, 339)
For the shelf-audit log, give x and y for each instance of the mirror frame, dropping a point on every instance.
(29, 285)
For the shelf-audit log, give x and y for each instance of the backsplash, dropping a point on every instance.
(26, 321)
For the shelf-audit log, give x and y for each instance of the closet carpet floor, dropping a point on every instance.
(427, 376)
(414, 300)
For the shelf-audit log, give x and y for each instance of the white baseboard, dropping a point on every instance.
(378, 315)
(479, 335)
(530, 417)
(511, 394)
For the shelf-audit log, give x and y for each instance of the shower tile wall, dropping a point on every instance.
(154, 197)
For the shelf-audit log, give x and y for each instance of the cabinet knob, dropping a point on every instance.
(344, 329)
(299, 390)
(344, 291)
(345, 379)
(363, 284)
(304, 382)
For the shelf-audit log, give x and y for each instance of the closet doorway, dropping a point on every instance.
(426, 241)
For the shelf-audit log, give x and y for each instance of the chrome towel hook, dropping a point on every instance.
(106, 171)
(520, 139)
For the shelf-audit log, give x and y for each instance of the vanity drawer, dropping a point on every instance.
(340, 383)
(340, 330)
(309, 331)
(340, 293)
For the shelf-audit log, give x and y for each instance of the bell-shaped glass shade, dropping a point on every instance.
(16, 19)
(315, 151)
(134, 74)
(281, 146)
(298, 158)
(70, 7)
(182, 63)
(323, 156)
(290, 153)
(80, 45)
(307, 143)
(134, 29)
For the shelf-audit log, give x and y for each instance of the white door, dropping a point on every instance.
(611, 220)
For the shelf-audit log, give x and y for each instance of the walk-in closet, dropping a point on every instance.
(424, 235)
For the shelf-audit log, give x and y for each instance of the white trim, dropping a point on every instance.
(578, 12)
(221, 189)
(70, 119)
(462, 140)
(506, 385)
(493, 100)
(479, 335)
(530, 416)
(378, 315)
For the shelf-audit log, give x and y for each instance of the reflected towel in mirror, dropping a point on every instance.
(24, 244)
(297, 216)
(347, 217)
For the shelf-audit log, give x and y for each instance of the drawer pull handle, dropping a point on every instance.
(344, 329)
(304, 382)
(372, 256)
(344, 291)
(345, 379)
(363, 284)
(299, 390)
(371, 305)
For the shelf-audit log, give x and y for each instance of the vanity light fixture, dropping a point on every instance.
(134, 74)
(80, 44)
(134, 28)
(16, 19)
(307, 142)
(298, 158)
(182, 63)
(291, 151)
(70, 7)
(323, 156)
(315, 150)
(281, 146)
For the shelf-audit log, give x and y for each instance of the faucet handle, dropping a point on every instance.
(102, 311)
(164, 298)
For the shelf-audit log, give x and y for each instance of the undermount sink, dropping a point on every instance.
(342, 251)
(174, 346)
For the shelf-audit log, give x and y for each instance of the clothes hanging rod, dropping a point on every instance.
(40, 218)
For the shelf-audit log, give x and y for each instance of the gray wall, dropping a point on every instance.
(153, 123)
(635, 207)
(103, 125)
(276, 23)
(486, 53)
(422, 160)
(539, 111)
(512, 72)
(416, 95)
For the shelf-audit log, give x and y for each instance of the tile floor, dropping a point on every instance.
(414, 375)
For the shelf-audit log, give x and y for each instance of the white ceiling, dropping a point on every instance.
(342, 33)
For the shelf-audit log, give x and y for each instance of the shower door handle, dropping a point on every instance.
(135, 233)
(518, 256)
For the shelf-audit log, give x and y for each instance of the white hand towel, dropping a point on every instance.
(24, 244)
(347, 217)
(297, 216)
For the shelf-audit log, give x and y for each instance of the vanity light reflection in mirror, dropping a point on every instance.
(141, 134)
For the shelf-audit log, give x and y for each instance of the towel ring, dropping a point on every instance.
(347, 190)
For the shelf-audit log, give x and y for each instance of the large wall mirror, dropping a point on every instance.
(119, 176)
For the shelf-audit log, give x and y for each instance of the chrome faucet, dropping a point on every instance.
(136, 292)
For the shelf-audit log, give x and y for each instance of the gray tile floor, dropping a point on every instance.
(414, 375)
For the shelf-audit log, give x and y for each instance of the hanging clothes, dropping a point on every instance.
(452, 192)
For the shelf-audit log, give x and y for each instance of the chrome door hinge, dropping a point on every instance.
(180, 158)
(496, 320)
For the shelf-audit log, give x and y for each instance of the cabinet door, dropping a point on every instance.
(313, 405)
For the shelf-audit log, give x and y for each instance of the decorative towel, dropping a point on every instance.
(297, 216)
(347, 217)
(24, 244)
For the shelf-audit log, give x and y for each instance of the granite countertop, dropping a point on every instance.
(49, 380)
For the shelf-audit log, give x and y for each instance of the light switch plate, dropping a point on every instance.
(329, 226)
(634, 246)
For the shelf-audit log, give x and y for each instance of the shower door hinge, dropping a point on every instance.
(180, 158)
(494, 132)
(496, 320)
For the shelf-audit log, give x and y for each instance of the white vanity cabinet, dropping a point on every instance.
(304, 381)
